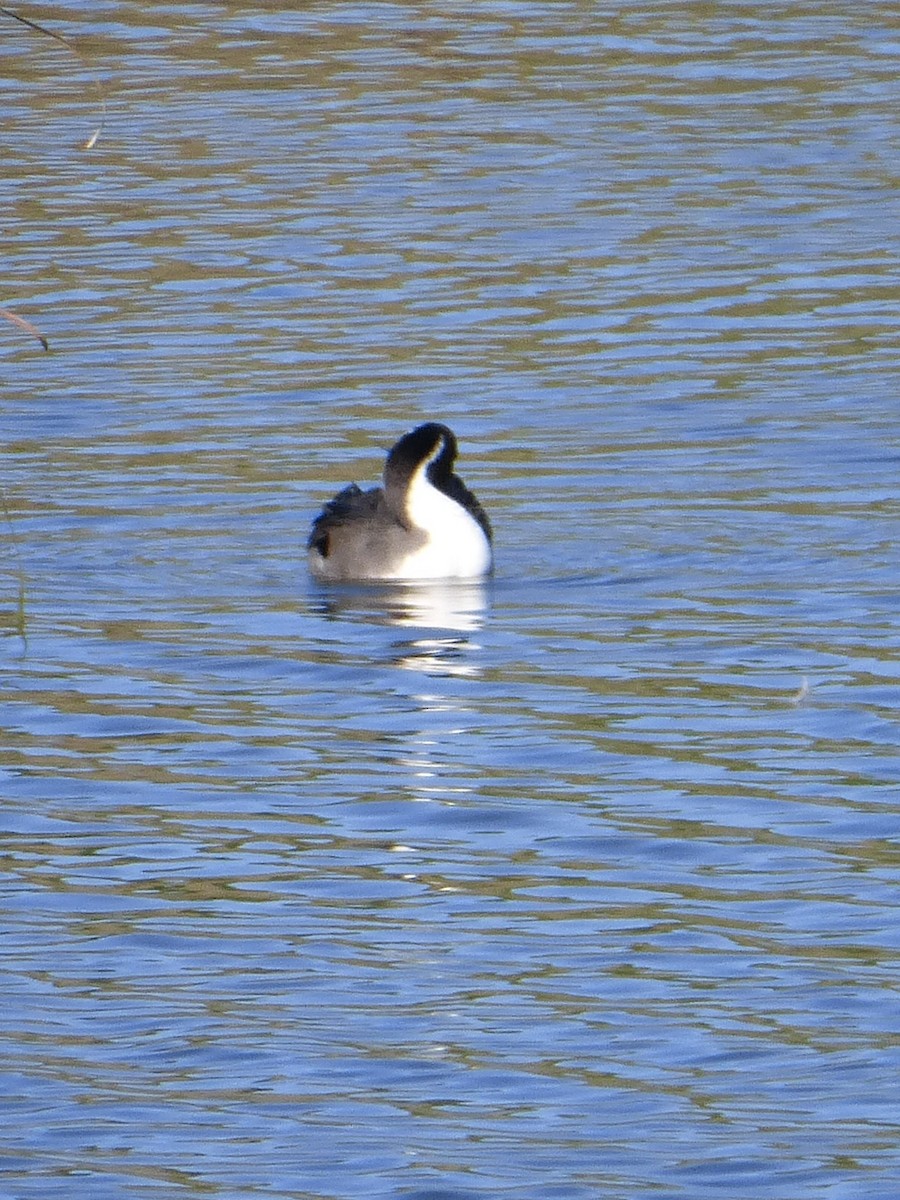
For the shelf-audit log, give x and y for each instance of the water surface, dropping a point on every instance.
(582, 883)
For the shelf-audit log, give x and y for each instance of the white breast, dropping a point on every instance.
(457, 547)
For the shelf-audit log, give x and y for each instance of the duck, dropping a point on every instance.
(422, 524)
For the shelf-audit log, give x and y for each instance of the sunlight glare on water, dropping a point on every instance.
(579, 882)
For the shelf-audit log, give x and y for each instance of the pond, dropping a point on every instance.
(580, 882)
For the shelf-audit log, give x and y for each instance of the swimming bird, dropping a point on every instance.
(422, 523)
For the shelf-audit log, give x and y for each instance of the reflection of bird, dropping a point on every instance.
(424, 523)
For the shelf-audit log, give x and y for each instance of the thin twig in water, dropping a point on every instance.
(58, 37)
(26, 325)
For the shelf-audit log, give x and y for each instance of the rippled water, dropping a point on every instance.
(582, 883)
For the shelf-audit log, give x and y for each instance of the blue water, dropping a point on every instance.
(579, 883)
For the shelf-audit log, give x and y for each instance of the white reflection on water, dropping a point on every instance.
(454, 605)
(438, 656)
(444, 611)
(441, 616)
(451, 604)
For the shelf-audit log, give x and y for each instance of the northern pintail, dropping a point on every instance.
(423, 523)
